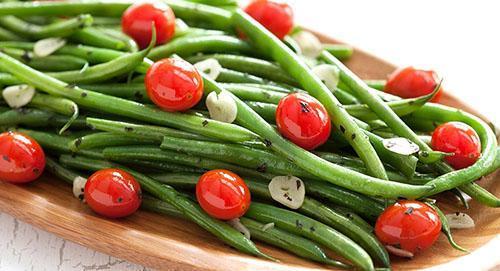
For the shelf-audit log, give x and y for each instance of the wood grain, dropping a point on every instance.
(171, 244)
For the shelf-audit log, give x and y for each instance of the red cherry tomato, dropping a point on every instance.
(303, 120)
(223, 194)
(410, 225)
(174, 84)
(22, 160)
(112, 193)
(276, 17)
(410, 83)
(461, 140)
(138, 19)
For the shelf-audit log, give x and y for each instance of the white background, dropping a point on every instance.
(459, 39)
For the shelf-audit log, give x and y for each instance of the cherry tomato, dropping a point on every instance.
(223, 194)
(461, 140)
(138, 19)
(22, 159)
(410, 225)
(276, 17)
(410, 83)
(112, 193)
(303, 120)
(174, 84)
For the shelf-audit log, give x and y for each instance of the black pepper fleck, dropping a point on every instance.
(78, 141)
(262, 168)
(342, 129)
(298, 224)
(268, 143)
(6, 158)
(304, 107)
(129, 129)
(84, 94)
(353, 136)
(204, 123)
(409, 211)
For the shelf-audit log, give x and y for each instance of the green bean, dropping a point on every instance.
(255, 94)
(150, 166)
(260, 160)
(201, 14)
(445, 228)
(132, 91)
(47, 63)
(266, 110)
(311, 229)
(130, 44)
(166, 193)
(59, 144)
(250, 65)
(361, 204)
(106, 21)
(59, 171)
(37, 118)
(376, 104)
(105, 139)
(95, 37)
(153, 153)
(66, 8)
(93, 55)
(406, 164)
(273, 236)
(376, 84)
(275, 88)
(6, 35)
(482, 166)
(313, 164)
(57, 29)
(353, 217)
(113, 105)
(59, 105)
(289, 61)
(140, 130)
(320, 212)
(230, 76)
(186, 46)
(225, 3)
(340, 51)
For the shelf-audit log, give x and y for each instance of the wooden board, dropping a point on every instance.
(171, 244)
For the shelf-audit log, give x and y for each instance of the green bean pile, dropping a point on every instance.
(91, 112)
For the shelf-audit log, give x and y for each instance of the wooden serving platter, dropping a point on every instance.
(166, 243)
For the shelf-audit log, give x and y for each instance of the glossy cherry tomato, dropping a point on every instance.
(410, 83)
(22, 159)
(138, 19)
(410, 225)
(461, 140)
(276, 17)
(223, 194)
(303, 120)
(174, 84)
(112, 193)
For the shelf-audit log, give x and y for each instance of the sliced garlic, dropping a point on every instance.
(400, 145)
(19, 95)
(460, 221)
(329, 74)
(222, 106)
(399, 252)
(48, 46)
(210, 67)
(309, 44)
(288, 190)
(268, 226)
(79, 187)
(235, 223)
